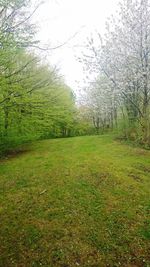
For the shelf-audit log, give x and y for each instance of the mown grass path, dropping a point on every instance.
(81, 201)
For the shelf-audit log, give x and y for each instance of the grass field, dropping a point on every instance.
(81, 201)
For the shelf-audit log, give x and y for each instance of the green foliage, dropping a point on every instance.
(34, 101)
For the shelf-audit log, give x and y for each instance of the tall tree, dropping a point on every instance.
(123, 57)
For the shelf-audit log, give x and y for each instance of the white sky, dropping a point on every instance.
(58, 20)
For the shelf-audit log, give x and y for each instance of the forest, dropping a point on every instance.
(75, 162)
(35, 101)
(119, 94)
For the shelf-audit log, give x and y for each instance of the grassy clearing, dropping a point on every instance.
(81, 201)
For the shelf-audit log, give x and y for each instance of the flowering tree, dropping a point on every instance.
(123, 57)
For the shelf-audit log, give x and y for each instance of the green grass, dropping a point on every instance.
(81, 201)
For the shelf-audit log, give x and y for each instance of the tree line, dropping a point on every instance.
(117, 65)
(35, 102)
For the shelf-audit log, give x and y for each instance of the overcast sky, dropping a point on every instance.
(59, 20)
